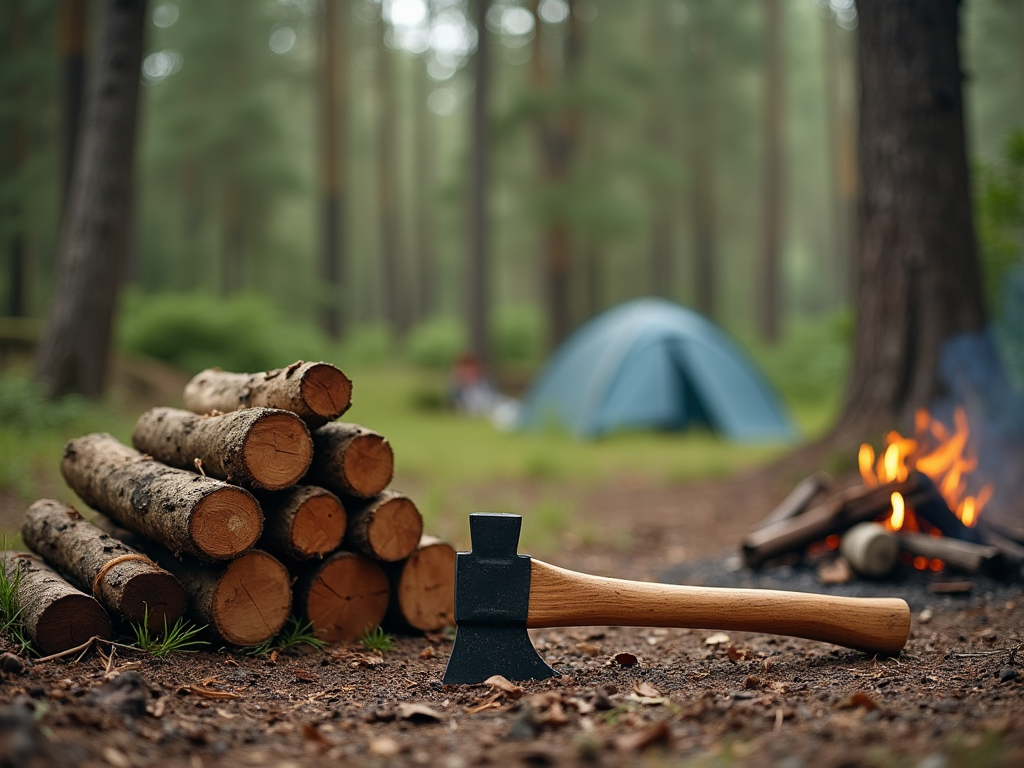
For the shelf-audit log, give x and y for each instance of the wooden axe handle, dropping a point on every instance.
(562, 598)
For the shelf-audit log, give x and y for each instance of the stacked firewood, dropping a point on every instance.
(251, 505)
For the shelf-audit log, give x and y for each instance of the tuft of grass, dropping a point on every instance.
(377, 640)
(180, 638)
(294, 633)
(10, 612)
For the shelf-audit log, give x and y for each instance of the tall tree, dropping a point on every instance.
(478, 282)
(423, 171)
(18, 148)
(71, 37)
(918, 279)
(767, 285)
(75, 349)
(334, 91)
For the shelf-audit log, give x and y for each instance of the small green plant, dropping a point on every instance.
(10, 612)
(377, 640)
(180, 638)
(298, 632)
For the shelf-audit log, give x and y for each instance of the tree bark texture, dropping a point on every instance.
(387, 527)
(264, 448)
(334, 85)
(393, 275)
(316, 392)
(74, 351)
(72, 21)
(351, 460)
(343, 597)
(127, 583)
(423, 588)
(478, 287)
(769, 305)
(181, 510)
(918, 279)
(302, 522)
(56, 615)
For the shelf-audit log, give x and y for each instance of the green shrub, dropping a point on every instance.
(518, 334)
(366, 345)
(436, 343)
(25, 409)
(196, 331)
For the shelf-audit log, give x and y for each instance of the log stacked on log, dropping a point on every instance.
(334, 543)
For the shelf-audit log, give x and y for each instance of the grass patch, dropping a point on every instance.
(377, 640)
(295, 633)
(180, 638)
(11, 624)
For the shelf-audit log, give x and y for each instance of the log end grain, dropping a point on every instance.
(69, 621)
(369, 465)
(347, 597)
(226, 522)
(425, 592)
(394, 530)
(326, 391)
(253, 599)
(277, 451)
(153, 596)
(319, 525)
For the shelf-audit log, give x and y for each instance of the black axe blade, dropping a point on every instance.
(492, 598)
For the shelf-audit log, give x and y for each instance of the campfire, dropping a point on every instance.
(919, 505)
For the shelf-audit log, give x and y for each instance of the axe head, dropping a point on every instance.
(492, 598)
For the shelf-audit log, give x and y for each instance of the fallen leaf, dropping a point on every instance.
(225, 714)
(418, 713)
(719, 638)
(384, 747)
(859, 699)
(735, 654)
(428, 652)
(589, 649)
(504, 685)
(312, 733)
(640, 740)
(643, 688)
(627, 659)
(210, 693)
(489, 703)
(303, 675)
(116, 758)
(752, 682)
(583, 706)
(554, 715)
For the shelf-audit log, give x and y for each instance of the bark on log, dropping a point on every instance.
(316, 392)
(262, 448)
(959, 555)
(351, 460)
(127, 583)
(56, 615)
(798, 499)
(181, 510)
(303, 522)
(343, 597)
(423, 588)
(387, 527)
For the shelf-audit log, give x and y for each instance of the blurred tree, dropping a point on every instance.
(478, 278)
(74, 351)
(767, 285)
(424, 139)
(662, 243)
(16, 306)
(334, 164)
(918, 281)
(392, 275)
(72, 21)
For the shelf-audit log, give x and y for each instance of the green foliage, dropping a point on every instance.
(377, 640)
(1000, 208)
(24, 408)
(180, 638)
(195, 331)
(436, 343)
(518, 334)
(294, 634)
(10, 612)
(367, 345)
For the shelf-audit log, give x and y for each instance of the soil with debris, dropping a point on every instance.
(955, 696)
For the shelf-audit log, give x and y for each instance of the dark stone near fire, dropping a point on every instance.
(127, 694)
(1006, 675)
(12, 664)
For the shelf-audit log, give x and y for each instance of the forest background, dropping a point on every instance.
(701, 151)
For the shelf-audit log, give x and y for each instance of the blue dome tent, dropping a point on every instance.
(654, 364)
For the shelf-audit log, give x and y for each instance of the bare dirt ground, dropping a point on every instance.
(954, 697)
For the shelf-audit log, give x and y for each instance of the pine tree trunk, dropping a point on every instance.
(334, 90)
(918, 279)
(71, 35)
(75, 350)
(478, 288)
(767, 286)
(393, 275)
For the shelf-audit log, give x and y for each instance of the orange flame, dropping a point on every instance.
(895, 521)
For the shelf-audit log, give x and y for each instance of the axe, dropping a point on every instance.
(500, 593)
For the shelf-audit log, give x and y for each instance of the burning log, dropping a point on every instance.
(125, 582)
(928, 505)
(387, 527)
(302, 522)
(423, 587)
(343, 597)
(351, 460)
(181, 510)
(55, 614)
(260, 448)
(961, 555)
(836, 515)
(870, 549)
(798, 499)
(316, 392)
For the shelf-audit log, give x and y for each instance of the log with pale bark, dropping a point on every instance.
(55, 614)
(423, 588)
(351, 460)
(127, 583)
(302, 522)
(263, 448)
(181, 510)
(316, 392)
(343, 597)
(387, 527)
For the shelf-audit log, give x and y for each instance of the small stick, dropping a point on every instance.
(798, 499)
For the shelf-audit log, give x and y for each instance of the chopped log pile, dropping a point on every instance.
(246, 508)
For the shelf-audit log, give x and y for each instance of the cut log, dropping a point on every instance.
(303, 522)
(128, 584)
(56, 615)
(387, 527)
(316, 392)
(181, 510)
(343, 597)
(799, 499)
(958, 555)
(351, 460)
(870, 549)
(423, 588)
(262, 448)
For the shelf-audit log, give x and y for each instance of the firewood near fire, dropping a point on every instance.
(168, 535)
